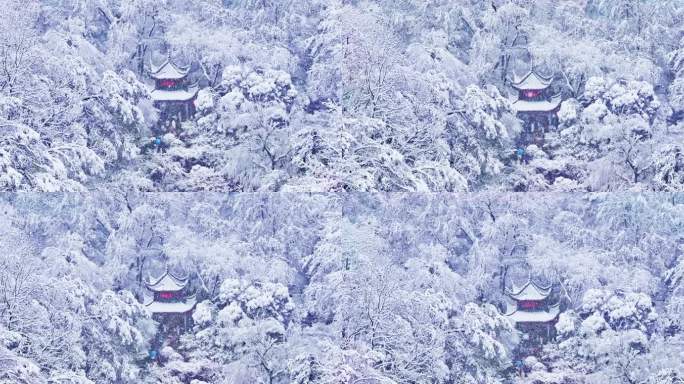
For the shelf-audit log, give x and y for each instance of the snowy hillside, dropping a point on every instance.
(342, 192)
(330, 95)
(341, 288)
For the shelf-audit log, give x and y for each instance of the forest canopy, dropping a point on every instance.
(338, 96)
(299, 288)
(342, 192)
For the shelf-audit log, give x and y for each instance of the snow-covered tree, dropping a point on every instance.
(244, 331)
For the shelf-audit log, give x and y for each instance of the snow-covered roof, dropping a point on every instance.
(174, 95)
(168, 71)
(531, 81)
(166, 283)
(529, 291)
(176, 307)
(537, 106)
(520, 316)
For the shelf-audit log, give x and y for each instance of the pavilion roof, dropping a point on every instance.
(543, 316)
(537, 105)
(529, 291)
(174, 94)
(531, 81)
(168, 71)
(167, 283)
(172, 307)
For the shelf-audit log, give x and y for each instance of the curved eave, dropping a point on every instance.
(168, 77)
(535, 317)
(522, 87)
(170, 308)
(165, 289)
(522, 293)
(524, 286)
(157, 285)
(524, 106)
(176, 95)
(539, 83)
(169, 71)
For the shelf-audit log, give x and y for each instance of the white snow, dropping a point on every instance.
(174, 95)
(166, 283)
(594, 324)
(202, 313)
(168, 71)
(521, 316)
(341, 97)
(172, 307)
(565, 324)
(531, 81)
(529, 291)
(568, 111)
(537, 106)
